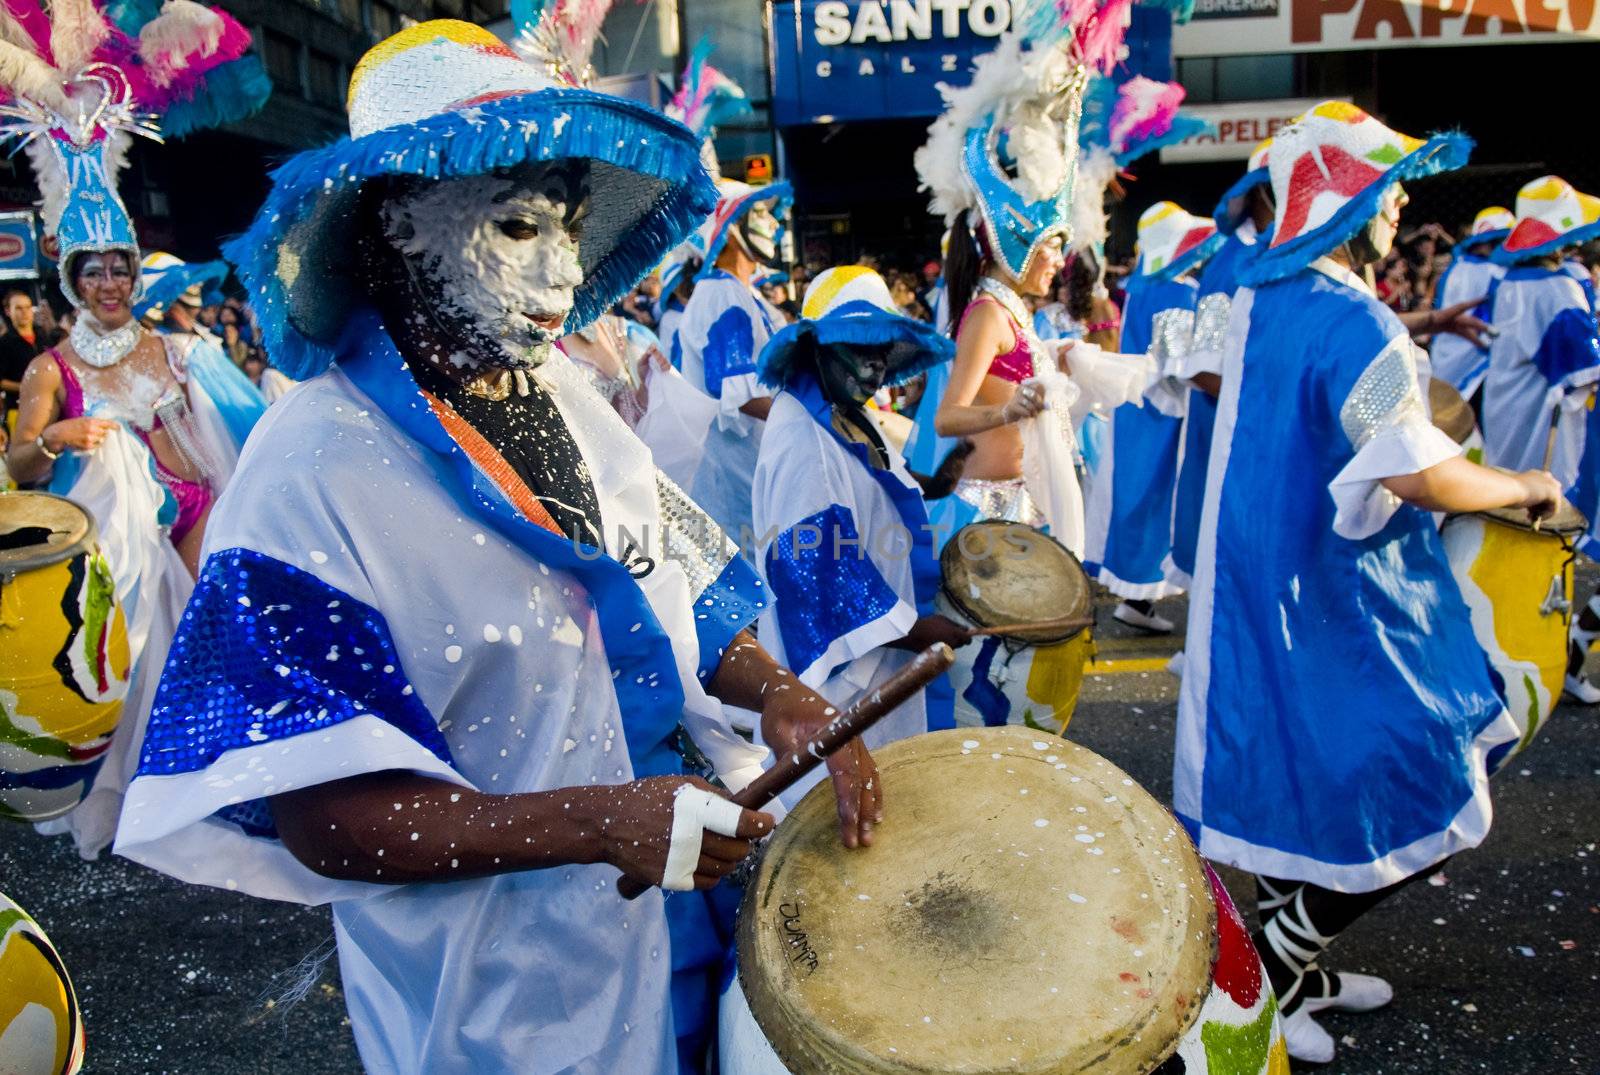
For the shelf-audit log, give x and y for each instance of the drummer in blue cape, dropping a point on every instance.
(845, 543)
(472, 697)
(1338, 722)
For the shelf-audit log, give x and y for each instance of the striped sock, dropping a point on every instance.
(1290, 945)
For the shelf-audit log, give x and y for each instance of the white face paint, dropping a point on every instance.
(496, 257)
(758, 233)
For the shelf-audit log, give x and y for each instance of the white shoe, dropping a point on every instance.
(1580, 690)
(1305, 1039)
(1131, 616)
(1356, 993)
(1175, 665)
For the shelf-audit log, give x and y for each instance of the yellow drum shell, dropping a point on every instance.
(1025, 907)
(41, 1027)
(996, 574)
(1517, 583)
(64, 658)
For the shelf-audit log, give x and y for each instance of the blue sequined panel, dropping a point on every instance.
(723, 609)
(730, 348)
(266, 652)
(824, 583)
(1568, 346)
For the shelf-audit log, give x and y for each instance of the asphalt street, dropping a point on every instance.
(1496, 965)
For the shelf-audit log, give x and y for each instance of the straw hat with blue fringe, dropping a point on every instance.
(1331, 167)
(169, 279)
(1173, 241)
(736, 199)
(851, 305)
(443, 100)
(1491, 225)
(1551, 215)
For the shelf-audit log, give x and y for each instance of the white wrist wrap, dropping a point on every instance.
(694, 810)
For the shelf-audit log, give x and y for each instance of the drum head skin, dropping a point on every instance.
(1025, 907)
(40, 528)
(1451, 415)
(1000, 573)
(1567, 522)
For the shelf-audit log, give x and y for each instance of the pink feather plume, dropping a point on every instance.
(1145, 109)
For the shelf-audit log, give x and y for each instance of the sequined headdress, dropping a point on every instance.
(1330, 168)
(1006, 147)
(1550, 215)
(82, 77)
(447, 99)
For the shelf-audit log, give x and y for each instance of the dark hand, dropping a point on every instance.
(1541, 493)
(929, 630)
(1458, 320)
(793, 716)
(635, 824)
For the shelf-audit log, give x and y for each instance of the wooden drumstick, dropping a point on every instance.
(1068, 623)
(1550, 447)
(862, 714)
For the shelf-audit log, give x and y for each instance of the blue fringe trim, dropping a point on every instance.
(233, 92)
(914, 345)
(1189, 259)
(1228, 220)
(499, 134)
(164, 290)
(780, 194)
(1441, 153)
(1182, 127)
(1498, 235)
(1501, 256)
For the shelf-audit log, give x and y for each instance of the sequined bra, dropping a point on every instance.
(1017, 364)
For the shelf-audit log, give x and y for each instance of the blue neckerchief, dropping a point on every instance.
(643, 667)
(907, 500)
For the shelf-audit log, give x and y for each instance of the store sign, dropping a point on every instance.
(1249, 27)
(19, 251)
(843, 60)
(1239, 128)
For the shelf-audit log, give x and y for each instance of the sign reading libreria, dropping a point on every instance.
(1234, 27)
(842, 60)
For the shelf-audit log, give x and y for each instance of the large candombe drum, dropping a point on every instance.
(63, 656)
(41, 1027)
(996, 574)
(1517, 582)
(1025, 907)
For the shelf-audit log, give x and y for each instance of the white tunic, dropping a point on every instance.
(494, 677)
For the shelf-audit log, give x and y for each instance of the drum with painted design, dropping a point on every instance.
(63, 656)
(996, 574)
(1025, 907)
(41, 1028)
(1517, 582)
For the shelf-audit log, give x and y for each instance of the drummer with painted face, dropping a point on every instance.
(844, 539)
(1338, 723)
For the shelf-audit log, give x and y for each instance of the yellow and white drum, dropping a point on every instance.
(1025, 907)
(996, 574)
(63, 656)
(1517, 582)
(41, 1028)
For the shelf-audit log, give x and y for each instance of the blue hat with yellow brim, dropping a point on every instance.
(851, 306)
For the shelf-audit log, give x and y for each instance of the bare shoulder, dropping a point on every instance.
(42, 372)
(986, 330)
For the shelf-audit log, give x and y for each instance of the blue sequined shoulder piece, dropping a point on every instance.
(265, 652)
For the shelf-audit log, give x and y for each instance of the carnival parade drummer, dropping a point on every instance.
(1337, 723)
(378, 716)
(1130, 507)
(1471, 277)
(1544, 364)
(725, 325)
(845, 515)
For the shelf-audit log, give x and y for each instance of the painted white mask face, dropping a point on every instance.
(757, 231)
(496, 257)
